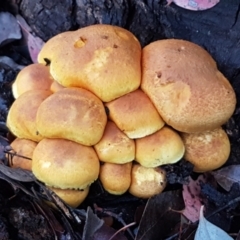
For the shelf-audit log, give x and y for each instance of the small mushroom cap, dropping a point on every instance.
(147, 182)
(35, 76)
(74, 114)
(184, 84)
(135, 115)
(71, 197)
(115, 178)
(162, 147)
(65, 164)
(21, 119)
(22, 153)
(92, 58)
(208, 150)
(115, 146)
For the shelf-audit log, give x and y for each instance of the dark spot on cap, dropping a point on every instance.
(159, 74)
(80, 42)
(104, 37)
(47, 61)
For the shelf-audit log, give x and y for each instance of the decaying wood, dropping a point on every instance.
(47, 18)
(216, 29)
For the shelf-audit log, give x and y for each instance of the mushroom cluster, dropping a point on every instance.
(97, 105)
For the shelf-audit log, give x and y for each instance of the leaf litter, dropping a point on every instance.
(227, 176)
(161, 216)
(192, 198)
(33, 43)
(173, 214)
(207, 230)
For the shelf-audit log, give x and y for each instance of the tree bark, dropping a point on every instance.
(216, 29)
(48, 18)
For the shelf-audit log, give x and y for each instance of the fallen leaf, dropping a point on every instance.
(215, 199)
(34, 43)
(195, 5)
(23, 24)
(15, 184)
(93, 223)
(227, 176)
(9, 28)
(96, 229)
(18, 174)
(209, 231)
(192, 198)
(161, 215)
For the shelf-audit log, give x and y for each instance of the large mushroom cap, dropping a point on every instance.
(183, 82)
(74, 114)
(21, 119)
(65, 164)
(135, 114)
(207, 150)
(162, 147)
(101, 58)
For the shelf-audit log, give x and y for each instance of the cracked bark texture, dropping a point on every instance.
(101, 11)
(47, 18)
(216, 29)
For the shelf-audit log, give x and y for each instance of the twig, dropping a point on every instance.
(57, 201)
(46, 217)
(122, 229)
(235, 200)
(114, 215)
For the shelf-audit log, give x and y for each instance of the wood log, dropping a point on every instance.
(215, 29)
(47, 18)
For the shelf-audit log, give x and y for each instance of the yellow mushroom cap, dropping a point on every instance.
(65, 164)
(103, 59)
(147, 182)
(74, 114)
(22, 153)
(162, 147)
(21, 119)
(207, 150)
(115, 146)
(184, 84)
(135, 115)
(115, 178)
(70, 196)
